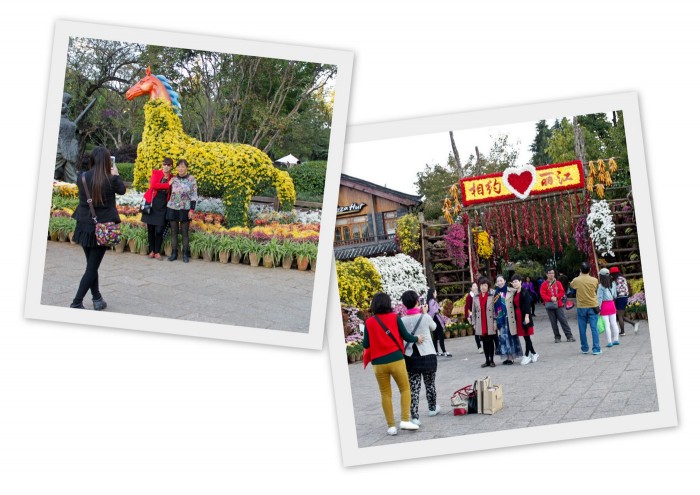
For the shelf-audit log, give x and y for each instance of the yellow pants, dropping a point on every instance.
(397, 371)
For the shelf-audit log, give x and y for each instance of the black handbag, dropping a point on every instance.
(472, 401)
(145, 207)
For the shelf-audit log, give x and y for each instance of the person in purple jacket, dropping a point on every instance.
(439, 319)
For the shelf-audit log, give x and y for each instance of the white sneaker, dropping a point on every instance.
(534, 357)
(391, 431)
(407, 425)
(435, 412)
(636, 327)
(525, 360)
(481, 350)
(416, 421)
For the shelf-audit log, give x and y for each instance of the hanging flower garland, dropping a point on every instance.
(600, 176)
(601, 227)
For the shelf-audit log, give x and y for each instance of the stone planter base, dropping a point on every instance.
(287, 262)
(302, 264)
(254, 259)
(268, 261)
(235, 258)
(224, 257)
(119, 248)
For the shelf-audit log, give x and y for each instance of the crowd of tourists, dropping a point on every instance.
(405, 349)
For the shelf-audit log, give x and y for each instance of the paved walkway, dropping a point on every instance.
(203, 291)
(563, 386)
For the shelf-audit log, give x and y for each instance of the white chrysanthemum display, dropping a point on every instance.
(400, 273)
(601, 227)
(132, 197)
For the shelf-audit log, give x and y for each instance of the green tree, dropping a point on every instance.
(540, 143)
(561, 144)
(433, 184)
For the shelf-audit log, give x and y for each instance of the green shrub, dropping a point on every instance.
(309, 179)
(126, 170)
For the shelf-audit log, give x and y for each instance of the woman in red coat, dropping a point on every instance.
(383, 342)
(157, 197)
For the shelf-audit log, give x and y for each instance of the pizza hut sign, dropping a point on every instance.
(352, 208)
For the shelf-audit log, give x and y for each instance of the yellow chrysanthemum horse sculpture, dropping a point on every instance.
(233, 172)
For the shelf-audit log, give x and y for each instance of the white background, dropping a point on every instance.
(94, 410)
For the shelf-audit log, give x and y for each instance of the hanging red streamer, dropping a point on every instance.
(558, 216)
(516, 225)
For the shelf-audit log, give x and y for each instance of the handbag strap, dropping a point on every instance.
(415, 327)
(89, 198)
(388, 332)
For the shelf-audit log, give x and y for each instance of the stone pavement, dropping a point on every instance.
(563, 386)
(203, 291)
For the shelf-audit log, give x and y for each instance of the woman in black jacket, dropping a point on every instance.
(103, 182)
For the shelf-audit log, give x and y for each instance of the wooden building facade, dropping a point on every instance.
(366, 218)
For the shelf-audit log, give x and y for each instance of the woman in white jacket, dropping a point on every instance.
(421, 360)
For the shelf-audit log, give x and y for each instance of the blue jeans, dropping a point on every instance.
(590, 317)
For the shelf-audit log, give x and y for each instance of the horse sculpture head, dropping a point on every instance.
(155, 87)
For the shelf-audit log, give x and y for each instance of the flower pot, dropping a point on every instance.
(168, 250)
(235, 258)
(207, 255)
(119, 248)
(463, 332)
(254, 259)
(448, 334)
(287, 262)
(70, 236)
(62, 237)
(313, 265)
(144, 250)
(268, 261)
(302, 263)
(132, 246)
(54, 236)
(224, 256)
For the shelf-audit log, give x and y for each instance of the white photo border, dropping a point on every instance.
(666, 416)
(341, 58)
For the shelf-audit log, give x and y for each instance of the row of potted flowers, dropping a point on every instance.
(227, 245)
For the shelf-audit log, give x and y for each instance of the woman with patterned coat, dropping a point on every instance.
(183, 199)
(508, 342)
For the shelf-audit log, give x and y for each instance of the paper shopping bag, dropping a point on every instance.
(481, 385)
(493, 399)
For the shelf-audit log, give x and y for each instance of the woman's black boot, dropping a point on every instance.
(186, 256)
(173, 256)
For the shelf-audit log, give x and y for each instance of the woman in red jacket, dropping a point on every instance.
(157, 197)
(383, 340)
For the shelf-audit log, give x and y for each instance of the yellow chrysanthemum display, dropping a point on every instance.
(484, 243)
(234, 172)
(358, 281)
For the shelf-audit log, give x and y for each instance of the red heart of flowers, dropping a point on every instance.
(520, 182)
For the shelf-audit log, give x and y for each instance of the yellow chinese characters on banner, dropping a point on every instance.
(547, 179)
